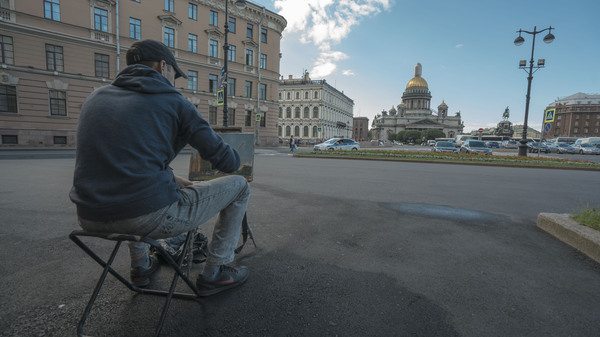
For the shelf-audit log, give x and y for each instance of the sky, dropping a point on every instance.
(368, 49)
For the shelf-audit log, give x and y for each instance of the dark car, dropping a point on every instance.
(442, 146)
(473, 146)
(492, 144)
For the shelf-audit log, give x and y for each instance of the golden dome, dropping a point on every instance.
(417, 81)
(443, 105)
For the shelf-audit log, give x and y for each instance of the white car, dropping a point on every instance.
(586, 149)
(338, 144)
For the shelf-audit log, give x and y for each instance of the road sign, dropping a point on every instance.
(480, 130)
(547, 127)
(549, 116)
(258, 117)
(220, 97)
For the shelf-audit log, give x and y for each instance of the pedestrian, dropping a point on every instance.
(128, 133)
(292, 144)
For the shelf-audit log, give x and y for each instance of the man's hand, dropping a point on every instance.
(182, 182)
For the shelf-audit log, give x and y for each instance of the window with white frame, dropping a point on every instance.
(249, 30)
(135, 28)
(262, 92)
(212, 83)
(248, 117)
(8, 99)
(101, 19)
(7, 54)
(263, 61)
(192, 80)
(193, 43)
(54, 58)
(214, 18)
(231, 86)
(192, 11)
(231, 54)
(169, 37)
(58, 103)
(231, 25)
(52, 9)
(212, 115)
(263, 35)
(249, 56)
(248, 89)
(263, 119)
(213, 48)
(101, 65)
(169, 7)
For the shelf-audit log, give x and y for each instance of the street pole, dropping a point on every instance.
(522, 64)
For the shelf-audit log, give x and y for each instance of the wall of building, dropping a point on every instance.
(24, 24)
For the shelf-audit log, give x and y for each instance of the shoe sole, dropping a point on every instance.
(209, 292)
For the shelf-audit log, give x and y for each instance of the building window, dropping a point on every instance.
(263, 120)
(213, 48)
(54, 58)
(101, 63)
(280, 96)
(287, 131)
(262, 91)
(232, 25)
(193, 43)
(231, 54)
(60, 140)
(315, 112)
(8, 99)
(305, 131)
(169, 37)
(7, 54)
(231, 117)
(316, 94)
(231, 86)
(249, 30)
(248, 90)
(288, 96)
(306, 113)
(248, 118)
(212, 115)
(212, 83)
(280, 112)
(314, 131)
(279, 131)
(193, 11)
(249, 56)
(58, 103)
(263, 35)
(192, 80)
(288, 112)
(169, 6)
(297, 112)
(263, 61)
(214, 18)
(297, 131)
(135, 28)
(297, 95)
(306, 95)
(101, 19)
(52, 9)
(10, 139)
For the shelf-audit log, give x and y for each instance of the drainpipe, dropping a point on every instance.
(117, 34)
(259, 77)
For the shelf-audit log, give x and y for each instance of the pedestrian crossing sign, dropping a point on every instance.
(549, 115)
(220, 97)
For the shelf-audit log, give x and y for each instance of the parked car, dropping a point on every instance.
(492, 144)
(510, 144)
(565, 148)
(535, 147)
(431, 142)
(475, 147)
(586, 149)
(338, 144)
(444, 147)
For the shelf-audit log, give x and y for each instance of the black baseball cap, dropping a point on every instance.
(152, 50)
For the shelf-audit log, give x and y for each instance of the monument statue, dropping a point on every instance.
(506, 114)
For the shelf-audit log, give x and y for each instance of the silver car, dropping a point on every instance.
(338, 144)
(586, 149)
(473, 146)
(442, 146)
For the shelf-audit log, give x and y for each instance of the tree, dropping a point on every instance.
(433, 134)
(415, 135)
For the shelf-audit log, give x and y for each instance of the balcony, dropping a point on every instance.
(101, 36)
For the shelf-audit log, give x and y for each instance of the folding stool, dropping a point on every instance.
(119, 238)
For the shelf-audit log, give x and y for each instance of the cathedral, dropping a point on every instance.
(414, 113)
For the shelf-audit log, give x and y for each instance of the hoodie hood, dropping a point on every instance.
(143, 79)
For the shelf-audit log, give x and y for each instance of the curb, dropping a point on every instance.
(569, 231)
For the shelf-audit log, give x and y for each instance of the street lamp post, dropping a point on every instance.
(241, 4)
(523, 65)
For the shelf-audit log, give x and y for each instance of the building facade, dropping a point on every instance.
(361, 129)
(415, 113)
(313, 111)
(54, 53)
(577, 115)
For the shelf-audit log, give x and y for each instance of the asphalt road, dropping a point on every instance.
(346, 248)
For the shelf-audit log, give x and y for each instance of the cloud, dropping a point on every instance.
(348, 72)
(460, 45)
(324, 23)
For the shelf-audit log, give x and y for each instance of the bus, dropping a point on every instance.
(568, 140)
(459, 139)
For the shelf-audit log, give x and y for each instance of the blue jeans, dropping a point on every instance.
(228, 196)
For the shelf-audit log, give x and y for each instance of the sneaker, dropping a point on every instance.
(227, 278)
(140, 277)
